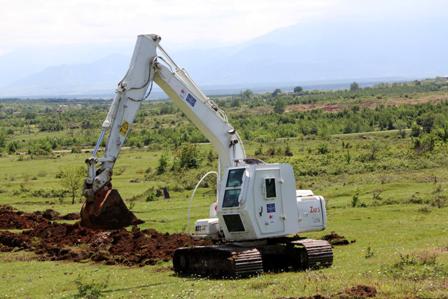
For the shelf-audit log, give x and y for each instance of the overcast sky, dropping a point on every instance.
(194, 23)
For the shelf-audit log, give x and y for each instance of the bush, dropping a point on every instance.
(163, 164)
(355, 200)
(12, 147)
(72, 180)
(90, 290)
(279, 106)
(424, 143)
(323, 149)
(187, 157)
(439, 199)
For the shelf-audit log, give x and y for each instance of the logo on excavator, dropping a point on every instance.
(314, 210)
(124, 128)
(190, 100)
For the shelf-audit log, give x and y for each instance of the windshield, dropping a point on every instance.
(235, 177)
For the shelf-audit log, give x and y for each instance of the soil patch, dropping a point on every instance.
(361, 291)
(60, 241)
(10, 218)
(334, 239)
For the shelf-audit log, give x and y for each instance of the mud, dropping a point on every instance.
(359, 291)
(10, 218)
(61, 241)
(336, 240)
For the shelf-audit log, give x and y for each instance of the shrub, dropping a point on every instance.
(163, 164)
(424, 143)
(90, 290)
(369, 253)
(288, 151)
(323, 149)
(355, 200)
(187, 157)
(72, 180)
(439, 198)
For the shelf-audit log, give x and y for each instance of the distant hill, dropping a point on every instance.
(306, 54)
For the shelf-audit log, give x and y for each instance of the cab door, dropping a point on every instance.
(268, 200)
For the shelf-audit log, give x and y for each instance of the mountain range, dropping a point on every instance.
(307, 54)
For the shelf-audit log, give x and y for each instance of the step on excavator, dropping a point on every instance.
(258, 213)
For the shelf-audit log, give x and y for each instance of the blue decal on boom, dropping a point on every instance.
(190, 100)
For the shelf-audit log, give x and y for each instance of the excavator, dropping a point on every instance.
(258, 213)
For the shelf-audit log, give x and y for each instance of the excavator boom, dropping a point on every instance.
(104, 207)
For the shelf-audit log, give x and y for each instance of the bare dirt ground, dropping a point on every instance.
(334, 239)
(368, 104)
(358, 291)
(61, 241)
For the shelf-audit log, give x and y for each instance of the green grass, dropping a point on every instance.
(387, 227)
(390, 230)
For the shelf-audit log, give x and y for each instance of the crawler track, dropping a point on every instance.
(316, 254)
(218, 261)
(239, 261)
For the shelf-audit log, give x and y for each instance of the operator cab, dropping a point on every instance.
(260, 201)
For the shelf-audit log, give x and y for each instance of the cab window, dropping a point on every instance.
(233, 188)
(235, 177)
(270, 188)
(231, 198)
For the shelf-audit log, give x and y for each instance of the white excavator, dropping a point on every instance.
(258, 212)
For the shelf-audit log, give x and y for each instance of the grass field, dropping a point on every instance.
(401, 249)
(378, 155)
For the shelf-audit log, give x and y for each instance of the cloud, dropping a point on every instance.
(185, 22)
(194, 23)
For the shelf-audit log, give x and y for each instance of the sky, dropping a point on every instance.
(182, 24)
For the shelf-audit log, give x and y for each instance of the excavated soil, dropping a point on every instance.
(13, 219)
(60, 241)
(336, 240)
(359, 291)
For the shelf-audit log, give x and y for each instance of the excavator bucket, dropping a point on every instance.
(107, 210)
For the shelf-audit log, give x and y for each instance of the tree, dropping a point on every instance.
(235, 102)
(298, 89)
(188, 156)
(276, 92)
(12, 147)
(354, 86)
(72, 180)
(211, 157)
(426, 121)
(2, 140)
(279, 106)
(247, 94)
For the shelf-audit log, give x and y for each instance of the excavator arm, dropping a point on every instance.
(104, 207)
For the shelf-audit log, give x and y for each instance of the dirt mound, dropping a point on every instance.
(361, 291)
(10, 218)
(60, 241)
(317, 296)
(335, 239)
